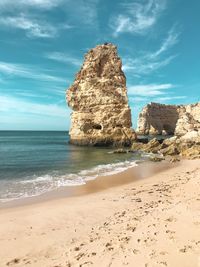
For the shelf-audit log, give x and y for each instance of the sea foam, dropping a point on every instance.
(38, 185)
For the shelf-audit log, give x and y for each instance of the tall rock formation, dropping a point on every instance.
(169, 119)
(98, 97)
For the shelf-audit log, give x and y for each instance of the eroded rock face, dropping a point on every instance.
(169, 119)
(98, 98)
(189, 119)
(158, 119)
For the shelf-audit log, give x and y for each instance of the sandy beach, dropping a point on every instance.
(151, 220)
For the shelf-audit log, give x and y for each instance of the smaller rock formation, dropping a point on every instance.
(189, 119)
(152, 146)
(182, 121)
(169, 119)
(158, 119)
(98, 97)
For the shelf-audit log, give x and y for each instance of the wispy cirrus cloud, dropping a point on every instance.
(164, 100)
(137, 17)
(64, 58)
(169, 42)
(27, 71)
(37, 4)
(149, 62)
(34, 28)
(40, 91)
(31, 16)
(86, 11)
(160, 93)
(28, 114)
(149, 89)
(140, 66)
(10, 103)
(169, 98)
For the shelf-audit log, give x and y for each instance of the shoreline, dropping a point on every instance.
(153, 222)
(102, 182)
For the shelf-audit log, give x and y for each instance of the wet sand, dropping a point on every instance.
(143, 170)
(138, 222)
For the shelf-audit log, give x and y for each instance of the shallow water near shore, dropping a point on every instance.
(33, 163)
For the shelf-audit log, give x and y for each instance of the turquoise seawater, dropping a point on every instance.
(33, 162)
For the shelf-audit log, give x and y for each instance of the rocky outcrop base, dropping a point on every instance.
(187, 146)
(124, 138)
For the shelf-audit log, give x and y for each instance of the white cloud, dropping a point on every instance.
(168, 98)
(149, 90)
(32, 27)
(137, 18)
(149, 62)
(64, 58)
(168, 43)
(87, 11)
(14, 104)
(15, 121)
(24, 114)
(142, 100)
(59, 90)
(82, 12)
(27, 71)
(159, 93)
(41, 4)
(22, 14)
(139, 66)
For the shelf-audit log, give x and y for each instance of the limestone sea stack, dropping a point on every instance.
(98, 97)
(169, 119)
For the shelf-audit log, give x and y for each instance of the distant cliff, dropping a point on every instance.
(169, 119)
(98, 98)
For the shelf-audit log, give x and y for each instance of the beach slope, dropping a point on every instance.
(146, 223)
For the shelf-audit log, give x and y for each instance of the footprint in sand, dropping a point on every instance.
(163, 263)
(136, 251)
(86, 263)
(163, 252)
(131, 228)
(13, 262)
(79, 256)
(109, 246)
(171, 219)
(185, 249)
(76, 249)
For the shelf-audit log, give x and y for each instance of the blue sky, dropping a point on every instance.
(43, 43)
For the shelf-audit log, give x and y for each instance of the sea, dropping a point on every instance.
(35, 162)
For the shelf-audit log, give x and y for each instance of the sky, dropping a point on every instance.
(43, 42)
